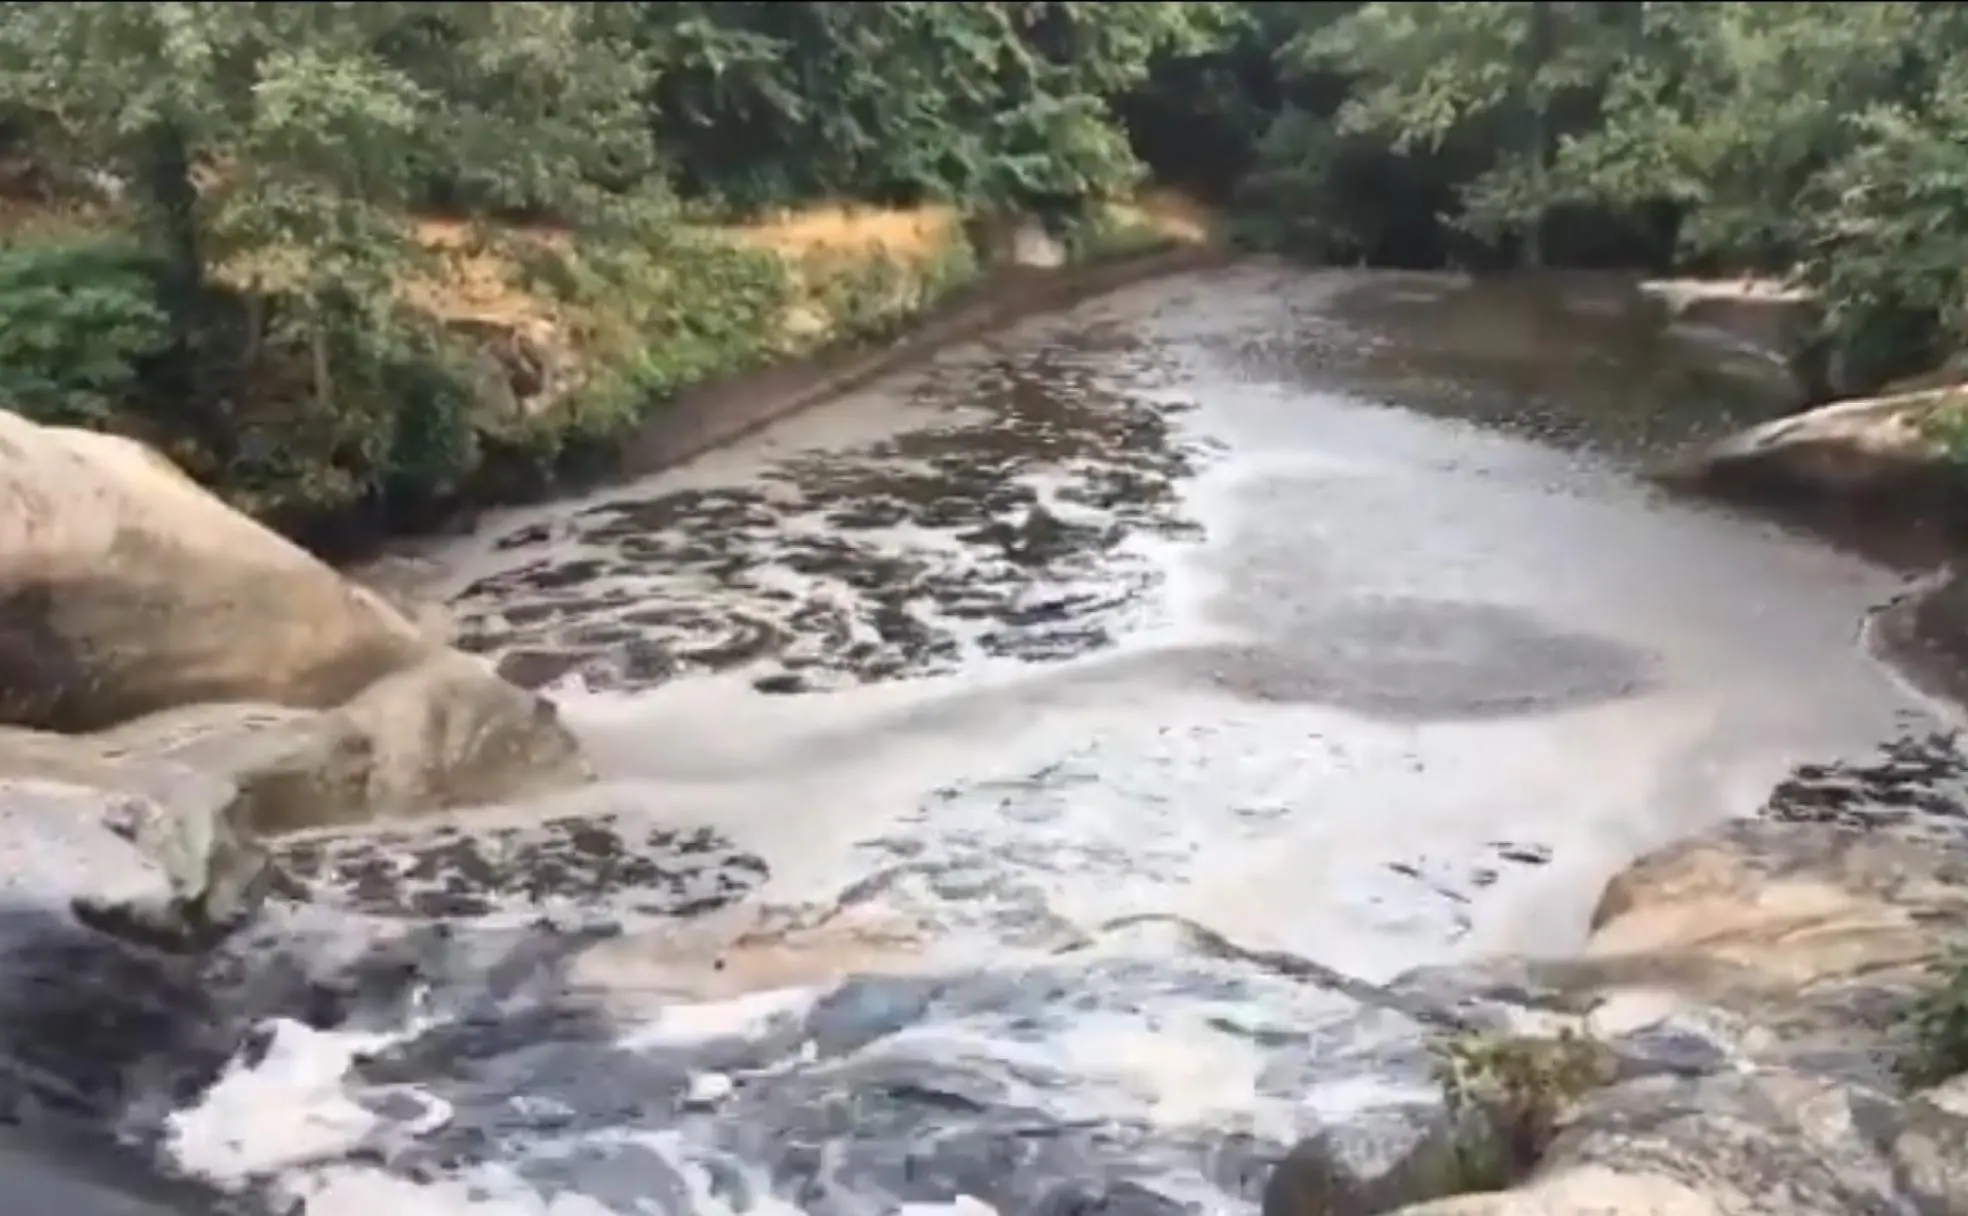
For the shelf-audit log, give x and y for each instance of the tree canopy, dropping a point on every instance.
(274, 158)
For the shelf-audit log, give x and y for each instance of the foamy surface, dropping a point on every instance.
(950, 731)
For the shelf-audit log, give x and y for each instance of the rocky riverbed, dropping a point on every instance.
(1068, 775)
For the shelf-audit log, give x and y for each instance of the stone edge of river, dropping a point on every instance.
(725, 410)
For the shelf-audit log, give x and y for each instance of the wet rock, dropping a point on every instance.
(867, 1008)
(1930, 1153)
(175, 877)
(1924, 635)
(1371, 1164)
(1750, 982)
(1817, 935)
(1871, 448)
(448, 733)
(1787, 944)
(440, 735)
(181, 821)
(1771, 1141)
(290, 768)
(126, 589)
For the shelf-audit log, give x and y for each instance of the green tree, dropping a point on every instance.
(991, 103)
(285, 141)
(1503, 75)
(1732, 110)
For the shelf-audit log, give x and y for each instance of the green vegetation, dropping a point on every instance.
(350, 261)
(355, 260)
(1818, 141)
(1507, 1095)
(1936, 1024)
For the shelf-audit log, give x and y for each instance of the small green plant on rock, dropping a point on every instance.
(1947, 426)
(1936, 1022)
(1507, 1096)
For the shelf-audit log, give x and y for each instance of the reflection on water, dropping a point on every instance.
(1575, 359)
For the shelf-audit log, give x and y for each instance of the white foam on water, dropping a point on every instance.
(288, 1110)
(1012, 811)
(354, 1190)
(683, 1024)
(1175, 1071)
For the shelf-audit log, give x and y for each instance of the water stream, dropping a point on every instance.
(977, 745)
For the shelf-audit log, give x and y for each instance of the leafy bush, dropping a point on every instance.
(1508, 1094)
(1888, 231)
(77, 323)
(313, 412)
(1937, 1023)
(652, 312)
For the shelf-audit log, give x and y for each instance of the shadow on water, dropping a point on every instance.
(1583, 360)
(997, 530)
(1580, 360)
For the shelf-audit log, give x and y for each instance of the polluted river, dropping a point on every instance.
(1025, 780)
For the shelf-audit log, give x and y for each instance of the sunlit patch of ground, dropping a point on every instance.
(1172, 215)
(911, 235)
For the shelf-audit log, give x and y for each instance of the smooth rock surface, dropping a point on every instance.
(126, 589)
(1880, 447)
(1815, 934)
(145, 849)
(292, 768)
(171, 877)
(450, 733)
(439, 736)
(1751, 979)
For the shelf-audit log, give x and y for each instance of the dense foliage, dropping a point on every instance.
(245, 178)
(1814, 139)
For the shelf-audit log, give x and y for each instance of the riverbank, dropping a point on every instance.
(525, 361)
(1471, 673)
(1306, 656)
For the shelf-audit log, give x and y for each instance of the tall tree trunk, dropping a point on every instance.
(169, 200)
(1538, 129)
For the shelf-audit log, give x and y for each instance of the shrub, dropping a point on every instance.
(1936, 1022)
(77, 323)
(1508, 1094)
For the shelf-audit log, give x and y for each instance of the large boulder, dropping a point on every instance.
(443, 734)
(1812, 934)
(166, 870)
(1882, 448)
(1749, 984)
(140, 612)
(1717, 1145)
(126, 589)
(1779, 319)
(449, 733)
